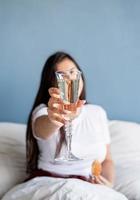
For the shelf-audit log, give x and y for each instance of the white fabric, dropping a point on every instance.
(90, 136)
(48, 188)
(125, 148)
(39, 111)
(12, 155)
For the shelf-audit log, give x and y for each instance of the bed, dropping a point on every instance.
(125, 147)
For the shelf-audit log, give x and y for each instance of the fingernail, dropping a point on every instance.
(84, 101)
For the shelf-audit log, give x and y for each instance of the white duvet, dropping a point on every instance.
(125, 148)
(48, 188)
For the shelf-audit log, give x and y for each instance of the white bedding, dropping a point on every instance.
(125, 147)
(48, 188)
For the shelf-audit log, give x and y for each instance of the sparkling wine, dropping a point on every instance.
(69, 90)
(69, 94)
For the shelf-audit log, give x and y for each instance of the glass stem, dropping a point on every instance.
(68, 132)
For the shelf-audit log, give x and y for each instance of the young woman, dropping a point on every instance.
(46, 139)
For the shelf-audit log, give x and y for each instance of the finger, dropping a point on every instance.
(70, 107)
(54, 117)
(81, 103)
(103, 179)
(62, 117)
(58, 117)
(57, 110)
(57, 106)
(54, 92)
(97, 180)
(55, 102)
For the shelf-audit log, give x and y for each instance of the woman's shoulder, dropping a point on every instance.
(94, 109)
(39, 107)
(39, 110)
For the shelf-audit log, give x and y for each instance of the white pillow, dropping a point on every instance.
(125, 147)
(12, 155)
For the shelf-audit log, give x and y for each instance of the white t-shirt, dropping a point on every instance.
(90, 135)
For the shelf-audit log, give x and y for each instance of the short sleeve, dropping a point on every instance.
(104, 122)
(38, 112)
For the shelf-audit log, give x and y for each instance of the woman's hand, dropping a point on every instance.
(56, 112)
(102, 180)
(55, 108)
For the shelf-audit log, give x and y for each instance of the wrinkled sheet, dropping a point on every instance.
(49, 188)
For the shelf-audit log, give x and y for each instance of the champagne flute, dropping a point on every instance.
(68, 83)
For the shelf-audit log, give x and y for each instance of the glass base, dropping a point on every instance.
(67, 158)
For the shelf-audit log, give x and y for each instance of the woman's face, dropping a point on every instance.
(68, 65)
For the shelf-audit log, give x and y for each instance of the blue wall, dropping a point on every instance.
(104, 37)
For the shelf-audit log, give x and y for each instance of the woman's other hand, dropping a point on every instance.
(102, 180)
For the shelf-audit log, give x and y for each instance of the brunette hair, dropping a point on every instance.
(47, 80)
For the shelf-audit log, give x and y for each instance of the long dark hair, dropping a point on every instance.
(47, 80)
